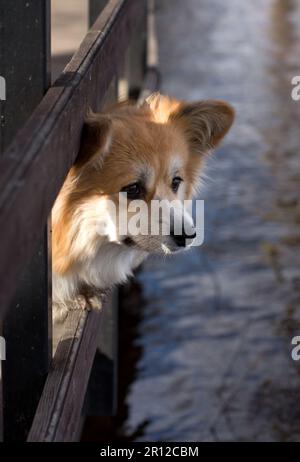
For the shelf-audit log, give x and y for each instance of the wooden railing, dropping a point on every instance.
(32, 171)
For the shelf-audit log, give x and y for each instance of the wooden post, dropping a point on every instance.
(95, 8)
(24, 63)
(137, 55)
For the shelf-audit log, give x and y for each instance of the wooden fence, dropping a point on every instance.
(46, 396)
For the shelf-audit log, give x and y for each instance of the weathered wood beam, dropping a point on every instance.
(59, 413)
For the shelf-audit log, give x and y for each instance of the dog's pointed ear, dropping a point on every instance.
(95, 139)
(204, 123)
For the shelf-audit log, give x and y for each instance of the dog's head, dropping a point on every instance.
(150, 153)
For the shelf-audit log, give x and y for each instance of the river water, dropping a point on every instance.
(217, 321)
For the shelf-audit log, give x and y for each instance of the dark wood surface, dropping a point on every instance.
(137, 56)
(27, 329)
(151, 80)
(59, 413)
(24, 61)
(101, 398)
(35, 165)
(95, 8)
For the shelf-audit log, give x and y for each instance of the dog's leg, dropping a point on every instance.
(88, 299)
(94, 298)
(60, 310)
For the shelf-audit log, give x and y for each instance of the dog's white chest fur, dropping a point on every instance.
(112, 264)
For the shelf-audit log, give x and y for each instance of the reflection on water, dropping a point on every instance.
(214, 339)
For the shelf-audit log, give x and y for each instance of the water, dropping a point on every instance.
(217, 321)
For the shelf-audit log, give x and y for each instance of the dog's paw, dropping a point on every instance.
(60, 310)
(80, 303)
(94, 298)
(94, 303)
(88, 300)
(59, 313)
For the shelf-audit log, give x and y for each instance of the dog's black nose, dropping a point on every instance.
(181, 239)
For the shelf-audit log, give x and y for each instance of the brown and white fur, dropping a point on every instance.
(147, 145)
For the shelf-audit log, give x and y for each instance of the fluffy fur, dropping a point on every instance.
(150, 144)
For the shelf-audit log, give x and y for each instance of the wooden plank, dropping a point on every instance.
(27, 330)
(35, 165)
(2, 358)
(152, 78)
(152, 46)
(22, 41)
(58, 416)
(95, 8)
(25, 58)
(138, 56)
(101, 399)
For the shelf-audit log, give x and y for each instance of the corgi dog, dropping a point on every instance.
(152, 151)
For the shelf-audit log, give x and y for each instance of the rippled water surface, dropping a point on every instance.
(217, 321)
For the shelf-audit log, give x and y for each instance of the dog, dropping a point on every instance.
(154, 151)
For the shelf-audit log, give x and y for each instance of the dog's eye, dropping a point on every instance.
(175, 183)
(134, 190)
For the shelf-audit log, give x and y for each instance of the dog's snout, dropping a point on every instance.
(181, 238)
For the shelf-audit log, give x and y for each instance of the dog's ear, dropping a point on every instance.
(95, 139)
(204, 123)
